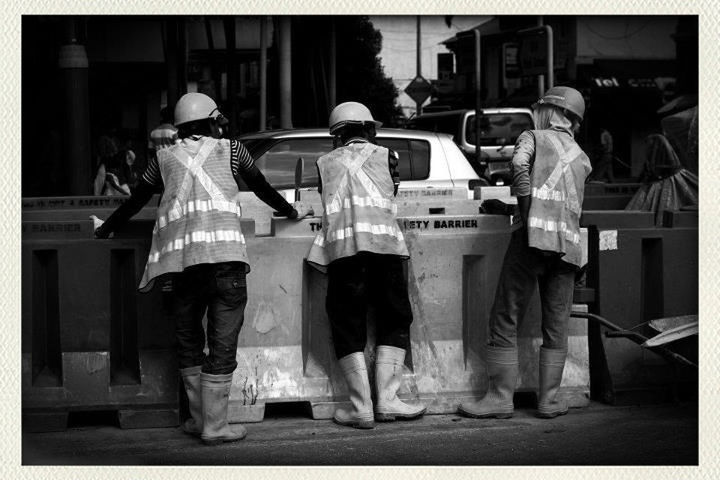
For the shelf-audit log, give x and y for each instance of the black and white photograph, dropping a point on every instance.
(359, 240)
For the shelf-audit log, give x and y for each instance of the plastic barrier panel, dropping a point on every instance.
(89, 341)
(609, 196)
(659, 279)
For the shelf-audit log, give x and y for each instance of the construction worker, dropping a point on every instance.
(364, 250)
(549, 172)
(198, 251)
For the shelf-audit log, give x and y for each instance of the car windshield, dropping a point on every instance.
(497, 129)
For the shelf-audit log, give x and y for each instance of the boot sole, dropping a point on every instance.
(485, 415)
(190, 432)
(550, 415)
(218, 441)
(391, 417)
(363, 424)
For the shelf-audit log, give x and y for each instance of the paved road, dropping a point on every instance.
(597, 435)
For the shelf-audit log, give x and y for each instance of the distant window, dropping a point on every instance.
(414, 156)
(278, 162)
(498, 128)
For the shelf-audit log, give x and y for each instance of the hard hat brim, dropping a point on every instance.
(339, 125)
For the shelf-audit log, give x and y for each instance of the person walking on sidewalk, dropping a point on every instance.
(363, 249)
(198, 250)
(549, 173)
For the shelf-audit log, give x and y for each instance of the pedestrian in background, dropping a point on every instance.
(198, 245)
(364, 250)
(603, 170)
(549, 173)
(164, 135)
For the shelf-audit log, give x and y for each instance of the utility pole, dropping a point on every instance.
(541, 77)
(478, 95)
(419, 63)
(263, 72)
(285, 72)
(73, 64)
(333, 66)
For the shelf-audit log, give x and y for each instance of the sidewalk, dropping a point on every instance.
(597, 435)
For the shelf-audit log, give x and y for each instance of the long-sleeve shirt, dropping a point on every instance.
(524, 153)
(523, 159)
(393, 162)
(242, 166)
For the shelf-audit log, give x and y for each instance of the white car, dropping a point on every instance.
(427, 159)
(499, 129)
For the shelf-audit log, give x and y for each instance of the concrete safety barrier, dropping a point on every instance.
(285, 349)
(659, 279)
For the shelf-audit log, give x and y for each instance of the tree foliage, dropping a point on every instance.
(360, 75)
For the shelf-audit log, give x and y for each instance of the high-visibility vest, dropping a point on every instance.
(360, 212)
(557, 179)
(198, 220)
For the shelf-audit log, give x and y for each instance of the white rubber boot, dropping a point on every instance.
(389, 363)
(360, 413)
(502, 368)
(191, 380)
(215, 393)
(552, 364)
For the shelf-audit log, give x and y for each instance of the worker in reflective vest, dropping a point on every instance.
(198, 252)
(549, 173)
(364, 250)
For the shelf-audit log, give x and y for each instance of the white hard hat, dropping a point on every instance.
(195, 106)
(350, 113)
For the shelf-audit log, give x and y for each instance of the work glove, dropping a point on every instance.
(98, 226)
(303, 210)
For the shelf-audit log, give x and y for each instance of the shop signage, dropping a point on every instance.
(613, 82)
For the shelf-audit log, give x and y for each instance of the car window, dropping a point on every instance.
(440, 123)
(498, 128)
(278, 162)
(414, 156)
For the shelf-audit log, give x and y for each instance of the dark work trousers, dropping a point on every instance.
(219, 289)
(365, 279)
(523, 269)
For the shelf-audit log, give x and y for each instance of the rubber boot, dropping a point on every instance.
(552, 363)
(191, 380)
(360, 413)
(502, 369)
(215, 393)
(389, 363)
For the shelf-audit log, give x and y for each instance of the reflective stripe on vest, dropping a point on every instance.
(197, 206)
(348, 232)
(552, 226)
(196, 237)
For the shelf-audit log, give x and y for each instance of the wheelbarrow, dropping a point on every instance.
(671, 329)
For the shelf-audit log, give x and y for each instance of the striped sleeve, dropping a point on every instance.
(152, 176)
(240, 159)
